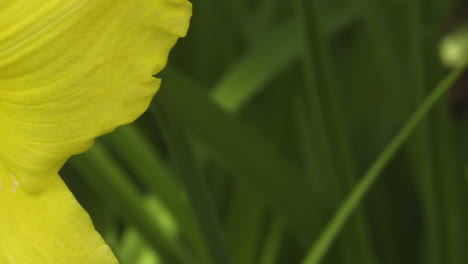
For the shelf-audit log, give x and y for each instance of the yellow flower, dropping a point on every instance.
(70, 70)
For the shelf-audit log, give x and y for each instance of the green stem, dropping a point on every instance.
(329, 234)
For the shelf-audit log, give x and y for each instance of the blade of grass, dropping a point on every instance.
(132, 243)
(195, 183)
(452, 195)
(313, 163)
(377, 29)
(329, 234)
(324, 102)
(420, 145)
(131, 246)
(337, 16)
(263, 15)
(132, 147)
(270, 252)
(248, 154)
(270, 55)
(112, 183)
(459, 196)
(135, 251)
(247, 216)
(251, 73)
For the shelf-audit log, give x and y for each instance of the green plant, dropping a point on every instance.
(257, 147)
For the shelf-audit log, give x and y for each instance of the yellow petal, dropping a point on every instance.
(48, 227)
(70, 70)
(73, 70)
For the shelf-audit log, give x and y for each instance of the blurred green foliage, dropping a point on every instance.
(269, 114)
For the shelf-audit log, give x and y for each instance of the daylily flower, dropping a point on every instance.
(70, 70)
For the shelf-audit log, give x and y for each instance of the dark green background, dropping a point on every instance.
(269, 113)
